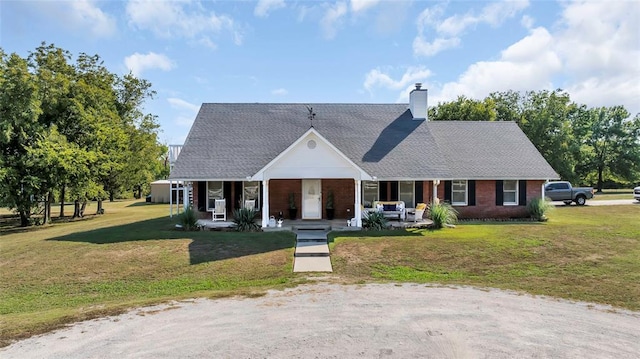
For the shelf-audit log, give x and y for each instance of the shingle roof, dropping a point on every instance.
(236, 140)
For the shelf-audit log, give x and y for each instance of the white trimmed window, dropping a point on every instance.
(459, 193)
(252, 192)
(369, 193)
(405, 189)
(510, 193)
(214, 191)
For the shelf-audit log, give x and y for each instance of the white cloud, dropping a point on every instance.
(448, 31)
(601, 56)
(86, 14)
(138, 63)
(527, 22)
(181, 104)
(171, 19)
(264, 7)
(332, 19)
(362, 5)
(378, 78)
(279, 92)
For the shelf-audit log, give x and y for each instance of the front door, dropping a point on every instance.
(311, 199)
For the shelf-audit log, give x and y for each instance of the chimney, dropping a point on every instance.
(418, 103)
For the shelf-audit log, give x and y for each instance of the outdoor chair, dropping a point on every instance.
(250, 204)
(419, 212)
(220, 210)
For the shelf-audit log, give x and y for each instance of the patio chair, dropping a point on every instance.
(419, 212)
(220, 210)
(250, 204)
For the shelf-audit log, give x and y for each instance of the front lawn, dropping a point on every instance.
(133, 256)
(130, 256)
(581, 253)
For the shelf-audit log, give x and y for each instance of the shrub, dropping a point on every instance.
(442, 214)
(244, 219)
(375, 221)
(537, 209)
(188, 220)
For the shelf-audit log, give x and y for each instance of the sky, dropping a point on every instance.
(357, 51)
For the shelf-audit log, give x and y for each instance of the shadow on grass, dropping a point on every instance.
(205, 246)
(402, 232)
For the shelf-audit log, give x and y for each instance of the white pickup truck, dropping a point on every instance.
(563, 191)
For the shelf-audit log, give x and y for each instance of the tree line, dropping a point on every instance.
(587, 146)
(72, 130)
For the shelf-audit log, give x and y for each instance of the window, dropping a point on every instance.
(459, 193)
(214, 191)
(369, 193)
(510, 193)
(405, 189)
(252, 192)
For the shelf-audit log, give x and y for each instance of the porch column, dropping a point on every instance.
(357, 209)
(170, 199)
(265, 203)
(434, 194)
(185, 193)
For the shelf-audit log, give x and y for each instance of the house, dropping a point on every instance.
(359, 152)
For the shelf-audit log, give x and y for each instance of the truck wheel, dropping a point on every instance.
(581, 200)
(567, 202)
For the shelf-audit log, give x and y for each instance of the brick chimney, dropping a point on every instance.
(418, 103)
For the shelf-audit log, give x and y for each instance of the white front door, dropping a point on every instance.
(311, 199)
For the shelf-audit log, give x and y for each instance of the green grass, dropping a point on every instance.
(131, 256)
(610, 194)
(128, 257)
(582, 253)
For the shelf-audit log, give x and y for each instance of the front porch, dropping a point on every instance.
(301, 224)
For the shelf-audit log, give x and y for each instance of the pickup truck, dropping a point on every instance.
(563, 191)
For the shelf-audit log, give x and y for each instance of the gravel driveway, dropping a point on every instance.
(371, 321)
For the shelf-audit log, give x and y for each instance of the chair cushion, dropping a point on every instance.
(389, 207)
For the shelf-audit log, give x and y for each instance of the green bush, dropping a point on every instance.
(538, 208)
(375, 221)
(188, 220)
(244, 219)
(442, 214)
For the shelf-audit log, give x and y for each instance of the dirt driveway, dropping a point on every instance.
(371, 321)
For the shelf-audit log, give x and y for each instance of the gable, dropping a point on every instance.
(311, 156)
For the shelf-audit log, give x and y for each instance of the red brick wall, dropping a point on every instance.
(279, 190)
(486, 201)
(343, 196)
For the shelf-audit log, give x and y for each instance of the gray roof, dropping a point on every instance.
(236, 140)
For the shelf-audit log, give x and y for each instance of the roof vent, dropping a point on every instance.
(418, 85)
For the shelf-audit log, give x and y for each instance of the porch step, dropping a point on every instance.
(311, 227)
(311, 249)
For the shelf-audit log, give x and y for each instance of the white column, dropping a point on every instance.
(170, 199)
(543, 185)
(357, 206)
(265, 203)
(185, 193)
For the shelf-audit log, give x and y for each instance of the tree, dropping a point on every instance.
(464, 109)
(20, 109)
(610, 141)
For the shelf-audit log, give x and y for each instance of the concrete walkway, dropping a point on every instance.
(312, 251)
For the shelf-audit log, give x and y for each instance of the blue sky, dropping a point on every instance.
(342, 51)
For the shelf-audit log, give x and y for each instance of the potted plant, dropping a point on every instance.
(293, 210)
(329, 206)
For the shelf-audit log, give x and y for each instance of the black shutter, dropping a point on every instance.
(394, 191)
(447, 191)
(499, 193)
(522, 195)
(202, 196)
(382, 187)
(419, 192)
(472, 192)
(226, 190)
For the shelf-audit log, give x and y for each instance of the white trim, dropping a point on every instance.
(265, 204)
(357, 205)
(466, 193)
(504, 203)
(259, 176)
